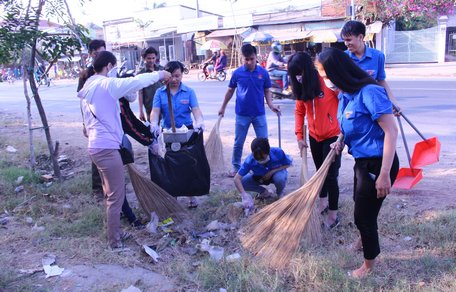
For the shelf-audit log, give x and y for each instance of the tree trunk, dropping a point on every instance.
(53, 151)
(29, 112)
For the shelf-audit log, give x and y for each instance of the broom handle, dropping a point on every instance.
(217, 125)
(280, 130)
(170, 107)
(405, 141)
(409, 122)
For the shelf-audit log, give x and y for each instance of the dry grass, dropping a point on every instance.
(75, 233)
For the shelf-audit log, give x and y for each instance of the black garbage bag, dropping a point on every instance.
(185, 172)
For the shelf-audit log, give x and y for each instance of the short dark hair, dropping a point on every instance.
(248, 50)
(342, 71)
(102, 60)
(172, 66)
(301, 64)
(354, 28)
(260, 147)
(96, 44)
(149, 50)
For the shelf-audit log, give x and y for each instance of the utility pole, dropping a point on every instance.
(197, 9)
(352, 7)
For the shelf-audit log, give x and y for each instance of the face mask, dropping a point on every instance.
(264, 161)
(113, 72)
(330, 85)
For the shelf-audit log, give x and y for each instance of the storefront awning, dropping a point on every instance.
(287, 36)
(229, 32)
(325, 36)
(158, 33)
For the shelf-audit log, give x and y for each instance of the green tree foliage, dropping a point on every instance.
(409, 14)
(21, 40)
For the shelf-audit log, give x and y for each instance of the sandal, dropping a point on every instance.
(125, 236)
(325, 210)
(264, 195)
(333, 225)
(192, 204)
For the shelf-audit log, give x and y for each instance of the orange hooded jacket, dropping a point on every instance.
(321, 115)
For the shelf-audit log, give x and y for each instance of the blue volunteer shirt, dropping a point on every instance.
(250, 88)
(358, 113)
(183, 102)
(373, 62)
(278, 158)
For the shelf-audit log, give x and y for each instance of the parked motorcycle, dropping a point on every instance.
(220, 75)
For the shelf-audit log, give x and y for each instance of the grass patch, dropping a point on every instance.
(11, 173)
(244, 275)
(88, 223)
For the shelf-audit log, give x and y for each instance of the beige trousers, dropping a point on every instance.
(110, 166)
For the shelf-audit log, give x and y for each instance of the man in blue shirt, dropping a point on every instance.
(265, 165)
(251, 83)
(370, 60)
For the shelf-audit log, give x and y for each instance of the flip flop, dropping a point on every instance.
(192, 204)
(325, 210)
(333, 225)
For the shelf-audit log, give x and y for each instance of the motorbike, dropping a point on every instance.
(186, 70)
(277, 88)
(220, 75)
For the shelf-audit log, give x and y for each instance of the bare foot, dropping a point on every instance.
(364, 270)
(361, 272)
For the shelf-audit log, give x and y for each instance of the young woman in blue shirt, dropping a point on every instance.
(366, 119)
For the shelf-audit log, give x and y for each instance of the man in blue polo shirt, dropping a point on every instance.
(370, 60)
(265, 165)
(252, 84)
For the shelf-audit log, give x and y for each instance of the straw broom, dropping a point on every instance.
(153, 198)
(274, 233)
(214, 149)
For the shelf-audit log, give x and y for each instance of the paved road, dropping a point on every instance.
(429, 102)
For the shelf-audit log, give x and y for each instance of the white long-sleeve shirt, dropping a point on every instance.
(100, 107)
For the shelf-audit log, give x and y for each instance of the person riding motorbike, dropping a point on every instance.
(208, 67)
(276, 65)
(220, 64)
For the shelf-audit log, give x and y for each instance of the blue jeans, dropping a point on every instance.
(279, 180)
(284, 75)
(241, 128)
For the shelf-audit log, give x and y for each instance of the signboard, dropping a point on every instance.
(197, 24)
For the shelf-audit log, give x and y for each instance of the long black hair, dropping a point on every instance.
(101, 60)
(342, 71)
(309, 87)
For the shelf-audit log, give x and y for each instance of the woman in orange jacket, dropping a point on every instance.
(317, 101)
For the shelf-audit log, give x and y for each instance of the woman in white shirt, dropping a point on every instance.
(100, 106)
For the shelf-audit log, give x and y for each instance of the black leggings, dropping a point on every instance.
(367, 206)
(330, 187)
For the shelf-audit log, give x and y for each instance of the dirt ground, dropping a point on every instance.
(82, 273)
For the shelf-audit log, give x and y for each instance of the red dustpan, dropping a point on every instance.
(407, 178)
(425, 152)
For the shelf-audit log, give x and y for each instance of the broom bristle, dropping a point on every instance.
(274, 233)
(153, 198)
(214, 149)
